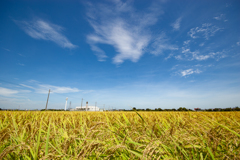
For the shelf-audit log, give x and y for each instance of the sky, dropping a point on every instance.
(121, 54)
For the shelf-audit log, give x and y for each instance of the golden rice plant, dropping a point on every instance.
(119, 135)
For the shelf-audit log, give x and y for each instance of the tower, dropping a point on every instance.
(66, 104)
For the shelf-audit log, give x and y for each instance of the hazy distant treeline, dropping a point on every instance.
(148, 109)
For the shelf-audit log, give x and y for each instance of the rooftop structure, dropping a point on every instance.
(86, 108)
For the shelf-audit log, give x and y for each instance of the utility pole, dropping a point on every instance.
(70, 105)
(103, 107)
(81, 104)
(66, 104)
(47, 99)
(86, 105)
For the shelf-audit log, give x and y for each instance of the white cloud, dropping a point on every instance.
(129, 36)
(207, 30)
(11, 92)
(189, 71)
(196, 55)
(43, 88)
(21, 64)
(27, 86)
(178, 57)
(176, 24)
(221, 17)
(55, 89)
(39, 29)
(7, 92)
(127, 43)
(186, 42)
(21, 55)
(6, 49)
(161, 44)
(202, 44)
(185, 50)
(238, 43)
(185, 70)
(169, 56)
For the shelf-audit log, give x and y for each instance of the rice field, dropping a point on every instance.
(119, 135)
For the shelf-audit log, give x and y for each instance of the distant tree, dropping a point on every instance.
(148, 109)
(182, 109)
(134, 109)
(173, 109)
(237, 109)
(227, 109)
(217, 109)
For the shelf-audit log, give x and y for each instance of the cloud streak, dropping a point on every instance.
(176, 24)
(189, 71)
(43, 88)
(221, 17)
(7, 92)
(11, 92)
(40, 29)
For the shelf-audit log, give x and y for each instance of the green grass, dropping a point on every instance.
(119, 135)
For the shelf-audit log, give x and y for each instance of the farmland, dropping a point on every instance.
(119, 135)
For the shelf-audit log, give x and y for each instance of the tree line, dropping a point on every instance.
(156, 109)
(185, 109)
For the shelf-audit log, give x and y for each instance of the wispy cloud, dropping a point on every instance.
(11, 92)
(21, 64)
(238, 43)
(186, 42)
(221, 17)
(185, 70)
(189, 55)
(161, 44)
(43, 88)
(7, 92)
(189, 71)
(40, 29)
(55, 89)
(169, 56)
(207, 30)
(120, 26)
(21, 55)
(6, 49)
(176, 24)
(128, 44)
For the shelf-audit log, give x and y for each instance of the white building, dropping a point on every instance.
(88, 108)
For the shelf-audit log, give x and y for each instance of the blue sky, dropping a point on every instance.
(121, 54)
